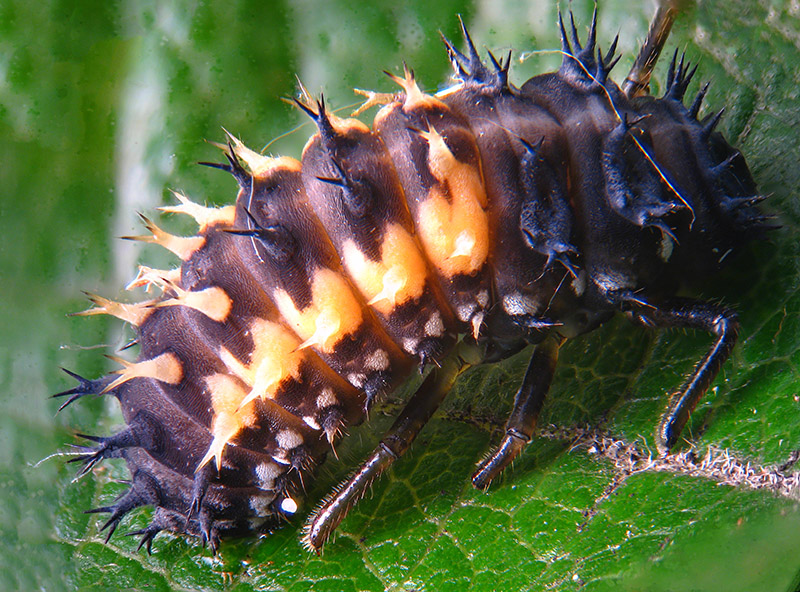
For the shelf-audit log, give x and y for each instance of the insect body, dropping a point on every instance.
(499, 215)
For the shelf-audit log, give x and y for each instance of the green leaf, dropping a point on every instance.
(104, 105)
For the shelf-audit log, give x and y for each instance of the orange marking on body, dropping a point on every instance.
(165, 367)
(334, 311)
(455, 232)
(230, 415)
(414, 97)
(274, 359)
(212, 302)
(347, 126)
(398, 277)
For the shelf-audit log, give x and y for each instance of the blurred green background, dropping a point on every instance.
(105, 105)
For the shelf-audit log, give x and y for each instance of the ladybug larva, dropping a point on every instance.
(457, 230)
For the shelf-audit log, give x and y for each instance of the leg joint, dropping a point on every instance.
(387, 448)
(514, 433)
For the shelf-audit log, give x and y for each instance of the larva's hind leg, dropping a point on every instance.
(689, 314)
(527, 406)
(638, 80)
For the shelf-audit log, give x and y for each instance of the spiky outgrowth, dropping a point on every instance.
(165, 367)
(501, 69)
(84, 387)
(204, 216)
(320, 116)
(106, 448)
(148, 534)
(355, 199)
(746, 215)
(679, 75)
(585, 65)
(202, 479)
(182, 246)
(694, 109)
(134, 314)
(545, 220)
(578, 59)
(234, 166)
(278, 242)
(149, 278)
(635, 190)
(470, 69)
(710, 123)
(130, 500)
(606, 63)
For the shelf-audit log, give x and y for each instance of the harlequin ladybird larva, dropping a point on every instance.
(501, 215)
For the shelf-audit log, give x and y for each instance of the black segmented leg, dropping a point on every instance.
(638, 81)
(527, 405)
(394, 444)
(718, 320)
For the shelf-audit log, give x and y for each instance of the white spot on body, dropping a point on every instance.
(464, 312)
(410, 345)
(288, 439)
(326, 398)
(435, 326)
(482, 298)
(266, 473)
(311, 422)
(377, 361)
(357, 379)
(260, 505)
(666, 247)
(464, 244)
(516, 304)
(611, 282)
(578, 283)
